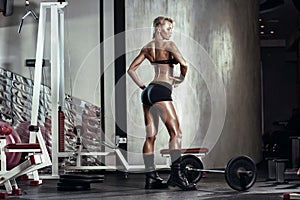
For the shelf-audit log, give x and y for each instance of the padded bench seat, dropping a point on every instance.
(23, 147)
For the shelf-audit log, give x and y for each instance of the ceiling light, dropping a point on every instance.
(262, 32)
(262, 26)
(272, 32)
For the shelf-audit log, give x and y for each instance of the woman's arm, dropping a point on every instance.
(183, 66)
(134, 65)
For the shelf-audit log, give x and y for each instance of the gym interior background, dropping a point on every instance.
(225, 103)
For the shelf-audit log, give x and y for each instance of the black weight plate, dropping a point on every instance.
(81, 180)
(82, 176)
(190, 161)
(237, 181)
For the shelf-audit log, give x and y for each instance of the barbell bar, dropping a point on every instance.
(240, 171)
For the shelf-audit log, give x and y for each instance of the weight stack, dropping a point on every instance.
(61, 130)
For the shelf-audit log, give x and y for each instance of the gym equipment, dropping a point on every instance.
(116, 151)
(288, 196)
(57, 72)
(277, 166)
(191, 162)
(29, 11)
(72, 182)
(23, 131)
(31, 63)
(12, 137)
(61, 128)
(240, 172)
(37, 157)
(198, 152)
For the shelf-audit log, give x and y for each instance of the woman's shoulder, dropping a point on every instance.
(149, 45)
(170, 43)
(162, 45)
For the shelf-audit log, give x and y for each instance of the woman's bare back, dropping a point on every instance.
(158, 51)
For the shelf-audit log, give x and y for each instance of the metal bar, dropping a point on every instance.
(3, 155)
(54, 85)
(57, 75)
(245, 173)
(61, 47)
(122, 159)
(16, 171)
(206, 170)
(38, 71)
(240, 172)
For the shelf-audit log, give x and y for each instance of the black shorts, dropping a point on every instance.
(155, 92)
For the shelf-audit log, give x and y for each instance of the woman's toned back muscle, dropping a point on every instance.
(157, 51)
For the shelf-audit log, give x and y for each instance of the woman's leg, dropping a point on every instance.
(168, 114)
(151, 122)
(153, 181)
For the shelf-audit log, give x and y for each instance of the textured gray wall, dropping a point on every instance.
(219, 104)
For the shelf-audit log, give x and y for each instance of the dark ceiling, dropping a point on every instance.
(281, 17)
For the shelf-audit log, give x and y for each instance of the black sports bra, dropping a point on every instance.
(170, 61)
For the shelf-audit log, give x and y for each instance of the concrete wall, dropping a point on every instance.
(219, 104)
(82, 66)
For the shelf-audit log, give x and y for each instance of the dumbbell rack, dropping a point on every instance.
(277, 167)
(295, 170)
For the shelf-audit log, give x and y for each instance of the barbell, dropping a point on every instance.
(240, 172)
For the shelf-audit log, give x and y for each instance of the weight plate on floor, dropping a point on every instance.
(70, 180)
(240, 173)
(82, 176)
(192, 162)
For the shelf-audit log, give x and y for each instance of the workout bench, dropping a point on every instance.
(38, 158)
(198, 152)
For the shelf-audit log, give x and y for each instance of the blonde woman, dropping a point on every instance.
(163, 54)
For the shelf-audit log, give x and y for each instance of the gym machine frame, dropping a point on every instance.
(58, 93)
(57, 73)
(38, 157)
